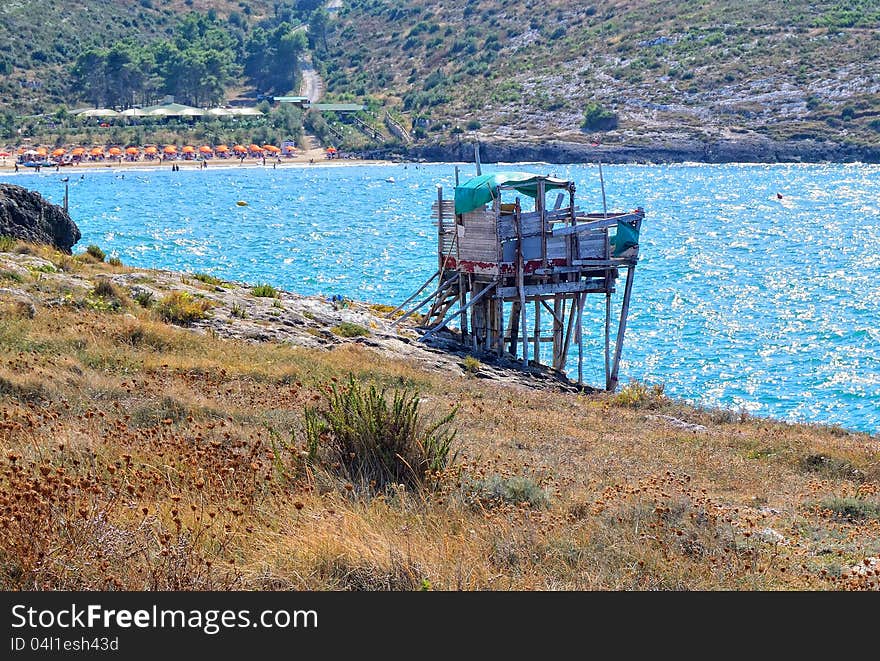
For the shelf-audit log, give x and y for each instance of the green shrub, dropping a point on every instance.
(265, 291)
(597, 118)
(348, 329)
(114, 261)
(471, 365)
(830, 466)
(96, 252)
(182, 308)
(106, 297)
(638, 395)
(207, 279)
(372, 442)
(511, 490)
(7, 243)
(852, 508)
(11, 275)
(144, 298)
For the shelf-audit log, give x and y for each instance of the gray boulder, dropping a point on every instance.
(25, 215)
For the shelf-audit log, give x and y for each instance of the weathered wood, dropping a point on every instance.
(550, 288)
(513, 328)
(539, 207)
(621, 330)
(425, 301)
(607, 341)
(419, 291)
(568, 332)
(580, 338)
(592, 225)
(473, 300)
(499, 315)
(536, 350)
(462, 299)
(558, 321)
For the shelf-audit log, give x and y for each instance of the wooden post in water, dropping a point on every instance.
(607, 340)
(580, 337)
(621, 330)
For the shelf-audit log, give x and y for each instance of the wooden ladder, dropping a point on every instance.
(447, 296)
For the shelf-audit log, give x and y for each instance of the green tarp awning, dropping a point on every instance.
(481, 190)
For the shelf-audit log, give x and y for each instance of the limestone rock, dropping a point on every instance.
(25, 215)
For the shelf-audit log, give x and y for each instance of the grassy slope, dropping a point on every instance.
(139, 455)
(670, 69)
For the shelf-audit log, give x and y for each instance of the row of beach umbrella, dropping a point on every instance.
(153, 150)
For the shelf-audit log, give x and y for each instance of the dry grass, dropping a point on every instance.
(136, 455)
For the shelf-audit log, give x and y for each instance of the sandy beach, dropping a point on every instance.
(300, 159)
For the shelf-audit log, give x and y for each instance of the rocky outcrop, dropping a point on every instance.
(25, 215)
(750, 149)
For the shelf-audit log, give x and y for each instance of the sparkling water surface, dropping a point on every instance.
(741, 299)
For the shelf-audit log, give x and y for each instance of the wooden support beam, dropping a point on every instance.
(499, 314)
(474, 299)
(420, 305)
(551, 288)
(419, 291)
(536, 351)
(580, 337)
(593, 225)
(608, 341)
(621, 330)
(513, 328)
(568, 332)
(558, 320)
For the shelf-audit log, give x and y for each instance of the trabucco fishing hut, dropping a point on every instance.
(497, 259)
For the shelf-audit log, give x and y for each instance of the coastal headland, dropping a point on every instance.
(161, 421)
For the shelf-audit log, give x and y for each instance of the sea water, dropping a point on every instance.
(758, 286)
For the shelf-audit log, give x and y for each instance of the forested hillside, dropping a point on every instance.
(633, 73)
(124, 52)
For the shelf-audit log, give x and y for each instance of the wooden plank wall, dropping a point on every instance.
(479, 242)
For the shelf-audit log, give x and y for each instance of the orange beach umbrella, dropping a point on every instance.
(131, 151)
(255, 148)
(205, 149)
(42, 151)
(114, 151)
(97, 151)
(221, 148)
(79, 151)
(59, 152)
(272, 148)
(151, 150)
(170, 149)
(239, 148)
(188, 149)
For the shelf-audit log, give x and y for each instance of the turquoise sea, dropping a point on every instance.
(741, 299)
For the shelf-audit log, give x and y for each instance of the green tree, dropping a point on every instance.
(319, 20)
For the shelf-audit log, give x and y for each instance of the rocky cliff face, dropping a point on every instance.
(25, 215)
(756, 149)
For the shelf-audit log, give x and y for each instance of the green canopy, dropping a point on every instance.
(481, 190)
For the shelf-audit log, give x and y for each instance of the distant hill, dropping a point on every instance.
(662, 78)
(40, 41)
(629, 72)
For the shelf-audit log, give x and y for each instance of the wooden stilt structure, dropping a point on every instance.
(494, 258)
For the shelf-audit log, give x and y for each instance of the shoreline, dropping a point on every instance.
(9, 168)
(754, 150)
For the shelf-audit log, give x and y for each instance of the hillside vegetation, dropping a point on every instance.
(136, 454)
(665, 74)
(628, 71)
